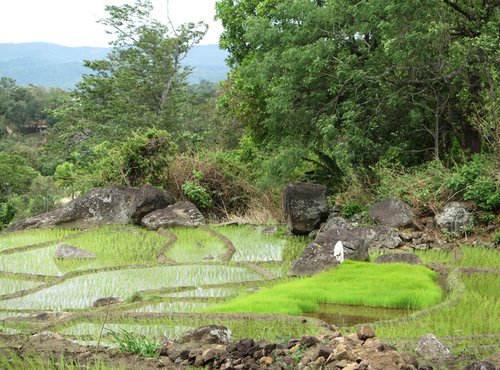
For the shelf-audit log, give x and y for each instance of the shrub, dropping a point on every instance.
(479, 181)
(351, 209)
(197, 194)
(139, 345)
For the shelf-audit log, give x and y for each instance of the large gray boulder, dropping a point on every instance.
(319, 255)
(430, 348)
(179, 214)
(392, 213)
(454, 218)
(306, 207)
(113, 205)
(149, 199)
(378, 237)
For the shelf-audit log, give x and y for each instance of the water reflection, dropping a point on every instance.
(345, 316)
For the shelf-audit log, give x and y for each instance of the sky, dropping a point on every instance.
(74, 22)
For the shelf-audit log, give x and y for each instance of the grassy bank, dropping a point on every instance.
(352, 283)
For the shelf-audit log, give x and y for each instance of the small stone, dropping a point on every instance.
(480, 365)
(351, 366)
(365, 332)
(266, 361)
(322, 351)
(212, 354)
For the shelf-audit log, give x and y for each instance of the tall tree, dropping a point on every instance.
(138, 84)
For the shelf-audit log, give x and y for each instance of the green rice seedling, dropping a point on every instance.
(38, 261)
(147, 328)
(434, 255)
(136, 344)
(352, 283)
(13, 361)
(31, 237)
(206, 293)
(8, 286)
(173, 327)
(252, 244)
(194, 245)
(80, 292)
(479, 257)
(173, 306)
(475, 313)
(116, 246)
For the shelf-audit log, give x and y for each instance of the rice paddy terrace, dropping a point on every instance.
(173, 280)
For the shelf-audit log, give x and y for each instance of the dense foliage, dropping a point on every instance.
(372, 99)
(364, 81)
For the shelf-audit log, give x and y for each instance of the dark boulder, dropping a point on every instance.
(409, 258)
(113, 205)
(305, 206)
(179, 214)
(319, 255)
(106, 301)
(149, 199)
(392, 213)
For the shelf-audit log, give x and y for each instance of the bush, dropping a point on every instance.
(423, 186)
(139, 345)
(479, 181)
(351, 209)
(197, 194)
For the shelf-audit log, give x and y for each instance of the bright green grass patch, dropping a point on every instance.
(477, 312)
(30, 237)
(471, 256)
(80, 292)
(8, 286)
(480, 257)
(174, 306)
(195, 245)
(352, 283)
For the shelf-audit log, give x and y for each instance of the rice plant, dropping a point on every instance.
(31, 237)
(8, 286)
(80, 292)
(194, 245)
(352, 283)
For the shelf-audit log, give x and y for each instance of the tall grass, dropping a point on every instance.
(352, 283)
(477, 312)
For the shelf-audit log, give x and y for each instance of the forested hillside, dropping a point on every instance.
(50, 65)
(372, 99)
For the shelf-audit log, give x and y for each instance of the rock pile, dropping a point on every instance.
(358, 351)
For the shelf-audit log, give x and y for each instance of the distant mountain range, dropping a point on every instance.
(52, 65)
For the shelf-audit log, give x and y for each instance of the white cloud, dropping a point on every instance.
(74, 22)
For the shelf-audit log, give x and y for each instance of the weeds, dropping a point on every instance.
(136, 344)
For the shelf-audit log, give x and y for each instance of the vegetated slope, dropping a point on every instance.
(51, 65)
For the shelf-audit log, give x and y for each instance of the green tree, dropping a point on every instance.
(138, 85)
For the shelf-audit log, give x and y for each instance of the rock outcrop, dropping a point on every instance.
(319, 255)
(409, 258)
(392, 213)
(179, 214)
(113, 205)
(306, 207)
(65, 251)
(454, 218)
